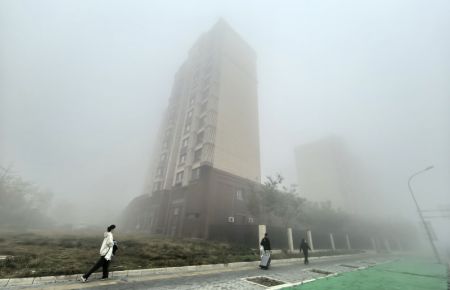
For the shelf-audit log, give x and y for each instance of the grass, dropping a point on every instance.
(34, 254)
(43, 254)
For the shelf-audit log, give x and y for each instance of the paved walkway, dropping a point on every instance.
(232, 276)
(410, 274)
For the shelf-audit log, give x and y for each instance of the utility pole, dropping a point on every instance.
(430, 238)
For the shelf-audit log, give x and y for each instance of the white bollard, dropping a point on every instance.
(374, 245)
(387, 245)
(310, 240)
(349, 247)
(262, 231)
(333, 247)
(290, 240)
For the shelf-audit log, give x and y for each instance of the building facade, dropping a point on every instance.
(208, 208)
(212, 116)
(328, 172)
(319, 168)
(206, 164)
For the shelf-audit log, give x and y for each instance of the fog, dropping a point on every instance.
(84, 85)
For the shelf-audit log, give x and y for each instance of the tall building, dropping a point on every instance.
(320, 171)
(206, 165)
(212, 116)
(327, 172)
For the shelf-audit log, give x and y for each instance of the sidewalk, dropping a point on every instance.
(162, 272)
(410, 274)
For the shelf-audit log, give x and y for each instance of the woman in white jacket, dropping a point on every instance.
(106, 251)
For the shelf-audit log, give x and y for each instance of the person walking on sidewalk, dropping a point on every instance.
(106, 252)
(304, 246)
(265, 242)
(265, 257)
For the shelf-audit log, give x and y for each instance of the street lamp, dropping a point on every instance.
(436, 254)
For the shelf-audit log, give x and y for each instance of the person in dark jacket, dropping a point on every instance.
(265, 242)
(304, 246)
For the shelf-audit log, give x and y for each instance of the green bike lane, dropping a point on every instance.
(405, 274)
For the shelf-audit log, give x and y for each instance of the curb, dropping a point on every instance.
(146, 272)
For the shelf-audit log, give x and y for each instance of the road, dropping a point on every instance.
(232, 278)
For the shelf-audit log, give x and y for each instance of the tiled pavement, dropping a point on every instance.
(206, 277)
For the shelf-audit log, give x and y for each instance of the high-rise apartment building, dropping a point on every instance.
(212, 116)
(206, 165)
(321, 167)
(329, 172)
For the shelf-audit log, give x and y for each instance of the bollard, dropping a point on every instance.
(310, 240)
(374, 244)
(387, 245)
(333, 247)
(349, 247)
(290, 241)
(262, 231)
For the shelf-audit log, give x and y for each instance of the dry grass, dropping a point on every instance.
(42, 254)
(35, 254)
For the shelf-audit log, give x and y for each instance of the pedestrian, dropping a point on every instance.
(106, 252)
(304, 246)
(265, 242)
(265, 257)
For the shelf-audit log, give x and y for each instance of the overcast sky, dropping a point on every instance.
(83, 86)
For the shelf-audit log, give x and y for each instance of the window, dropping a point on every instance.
(201, 122)
(195, 173)
(176, 211)
(172, 115)
(159, 172)
(239, 195)
(157, 186)
(187, 128)
(189, 118)
(185, 142)
(183, 158)
(205, 93)
(251, 220)
(165, 144)
(203, 107)
(163, 157)
(192, 101)
(196, 74)
(193, 215)
(208, 68)
(200, 138)
(198, 155)
(179, 177)
(207, 78)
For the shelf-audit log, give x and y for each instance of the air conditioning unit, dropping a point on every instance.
(231, 219)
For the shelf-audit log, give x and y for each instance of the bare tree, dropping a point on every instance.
(22, 204)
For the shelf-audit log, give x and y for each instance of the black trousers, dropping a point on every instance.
(102, 262)
(306, 257)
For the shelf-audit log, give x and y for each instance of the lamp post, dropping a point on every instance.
(436, 254)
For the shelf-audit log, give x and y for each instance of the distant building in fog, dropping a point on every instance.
(327, 172)
(208, 154)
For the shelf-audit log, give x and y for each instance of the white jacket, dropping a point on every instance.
(107, 246)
